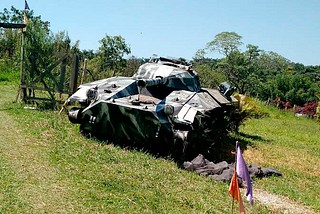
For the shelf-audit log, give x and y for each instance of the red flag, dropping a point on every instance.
(235, 192)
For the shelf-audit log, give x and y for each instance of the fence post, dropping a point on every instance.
(23, 91)
(84, 70)
(63, 72)
(74, 73)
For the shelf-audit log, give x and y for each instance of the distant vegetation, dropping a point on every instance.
(265, 75)
(257, 73)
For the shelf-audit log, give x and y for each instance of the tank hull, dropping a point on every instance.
(161, 107)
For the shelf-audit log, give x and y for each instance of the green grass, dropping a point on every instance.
(91, 176)
(8, 76)
(291, 145)
(47, 166)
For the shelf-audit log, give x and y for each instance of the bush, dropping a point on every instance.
(246, 108)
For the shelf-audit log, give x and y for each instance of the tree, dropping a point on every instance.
(10, 38)
(199, 55)
(225, 43)
(132, 67)
(87, 54)
(111, 53)
(272, 63)
(62, 42)
(241, 69)
(209, 78)
(298, 68)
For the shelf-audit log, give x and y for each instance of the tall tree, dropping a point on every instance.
(239, 68)
(111, 53)
(225, 43)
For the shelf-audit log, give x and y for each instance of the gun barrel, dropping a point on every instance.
(149, 82)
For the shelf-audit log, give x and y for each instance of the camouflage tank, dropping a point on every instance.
(161, 107)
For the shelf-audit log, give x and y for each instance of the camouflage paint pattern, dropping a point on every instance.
(160, 104)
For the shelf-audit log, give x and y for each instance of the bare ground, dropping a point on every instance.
(280, 203)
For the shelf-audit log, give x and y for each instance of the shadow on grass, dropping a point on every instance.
(252, 137)
(221, 150)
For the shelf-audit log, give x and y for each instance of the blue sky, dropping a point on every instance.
(179, 28)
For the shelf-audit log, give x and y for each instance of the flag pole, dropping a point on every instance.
(235, 170)
(232, 203)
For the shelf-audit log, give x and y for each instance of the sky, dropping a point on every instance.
(179, 28)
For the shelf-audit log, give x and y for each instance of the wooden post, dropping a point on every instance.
(63, 73)
(23, 91)
(84, 70)
(74, 73)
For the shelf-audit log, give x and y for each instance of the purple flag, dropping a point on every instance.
(26, 6)
(242, 171)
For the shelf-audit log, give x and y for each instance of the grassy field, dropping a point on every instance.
(47, 166)
(291, 145)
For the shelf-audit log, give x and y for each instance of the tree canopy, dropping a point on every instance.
(112, 51)
(259, 73)
(225, 43)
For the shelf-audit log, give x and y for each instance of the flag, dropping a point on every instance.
(235, 192)
(242, 171)
(26, 6)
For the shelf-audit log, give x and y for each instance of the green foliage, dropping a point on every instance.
(298, 89)
(10, 38)
(209, 78)
(39, 43)
(132, 66)
(289, 144)
(109, 60)
(246, 108)
(225, 43)
(111, 53)
(206, 68)
(62, 42)
(265, 75)
(7, 75)
(271, 61)
(87, 54)
(240, 69)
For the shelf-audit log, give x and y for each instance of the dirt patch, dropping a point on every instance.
(280, 203)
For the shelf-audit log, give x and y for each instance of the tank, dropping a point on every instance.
(162, 108)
